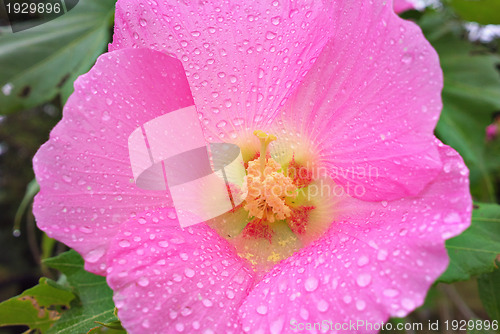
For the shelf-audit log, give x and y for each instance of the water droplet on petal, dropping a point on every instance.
(360, 305)
(382, 255)
(124, 243)
(95, 255)
(407, 58)
(262, 309)
(172, 215)
(322, 305)
(363, 280)
(270, 35)
(363, 260)
(408, 303)
(452, 218)
(189, 272)
(143, 281)
(229, 294)
(311, 284)
(390, 292)
(179, 327)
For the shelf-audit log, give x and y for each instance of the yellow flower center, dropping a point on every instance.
(285, 206)
(266, 187)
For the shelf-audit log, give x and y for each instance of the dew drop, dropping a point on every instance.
(221, 124)
(363, 261)
(143, 281)
(189, 272)
(407, 58)
(230, 294)
(382, 255)
(452, 218)
(360, 305)
(172, 215)
(260, 73)
(364, 280)
(262, 309)
(105, 116)
(124, 243)
(311, 284)
(179, 327)
(390, 293)
(95, 255)
(270, 35)
(408, 304)
(322, 305)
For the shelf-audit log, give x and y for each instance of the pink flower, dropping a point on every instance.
(347, 88)
(491, 131)
(403, 5)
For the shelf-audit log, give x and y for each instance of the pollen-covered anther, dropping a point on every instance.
(266, 187)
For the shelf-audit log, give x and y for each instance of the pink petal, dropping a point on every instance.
(402, 6)
(242, 58)
(86, 181)
(167, 279)
(377, 260)
(491, 132)
(371, 102)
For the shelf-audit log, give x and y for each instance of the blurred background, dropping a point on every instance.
(38, 67)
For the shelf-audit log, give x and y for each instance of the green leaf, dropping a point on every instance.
(474, 251)
(489, 292)
(471, 95)
(95, 303)
(480, 11)
(37, 63)
(38, 308)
